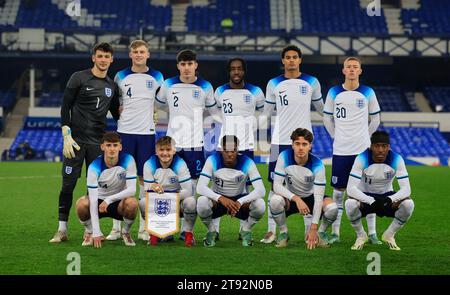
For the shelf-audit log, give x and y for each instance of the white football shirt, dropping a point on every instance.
(350, 111)
(137, 96)
(186, 104)
(292, 98)
(238, 107)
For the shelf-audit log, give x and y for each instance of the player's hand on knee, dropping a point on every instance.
(103, 208)
(301, 206)
(69, 143)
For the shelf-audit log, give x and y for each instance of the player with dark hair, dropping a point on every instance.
(187, 96)
(229, 172)
(299, 186)
(370, 190)
(238, 102)
(111, 182)
(88, 96)
(292, 95)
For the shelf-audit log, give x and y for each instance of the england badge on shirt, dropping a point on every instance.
(303, 90)
(108, 92)
(360, 103)
(247, 98)
(195, 94)
(149, 84)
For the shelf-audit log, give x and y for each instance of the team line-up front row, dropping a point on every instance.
(299, 187)
(176, 162)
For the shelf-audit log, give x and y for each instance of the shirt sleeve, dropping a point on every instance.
(316, 91)
(203, 181)
(69, 97)
(259, 96)
(319, 192)
(279, 178)
(161, 97)
(184, 179)
(403, 181)
(374, 107)
(209, 96)
(93, 210)
(148, 175)
(115, 103)
(353, 182)
(259, 190)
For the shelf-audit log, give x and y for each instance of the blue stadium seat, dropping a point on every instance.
(439, 98)
(433, 17)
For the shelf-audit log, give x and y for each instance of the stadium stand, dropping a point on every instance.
(392, 99)
(50, 99)
(116, 16)
(7, 100)
(250, 16)
(433, 17)
(439, 98)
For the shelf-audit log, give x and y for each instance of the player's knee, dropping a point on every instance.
(257, 208)
(203, 206)
(277, 204)
(351, 205)
(408, 205)
(189, 205)
(82, 208)
(129, 208)
(331, 210)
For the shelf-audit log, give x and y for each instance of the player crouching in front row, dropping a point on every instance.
(299, 186)
(168, 172)
(229, 172)
(111, 182)
(370, 190)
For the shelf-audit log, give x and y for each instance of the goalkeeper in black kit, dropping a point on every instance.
(88, 96)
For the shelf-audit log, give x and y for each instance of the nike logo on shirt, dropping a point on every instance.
(126, 85)
(89, 89)
(283, 91)
(175, 92)
(338, 104)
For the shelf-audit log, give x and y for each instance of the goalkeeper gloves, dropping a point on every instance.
(69, 143)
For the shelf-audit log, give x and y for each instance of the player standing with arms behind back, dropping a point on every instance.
(88, 96)
(138, 87)
(347, 110)
(292, 94)
(239, 102)
(186, 97)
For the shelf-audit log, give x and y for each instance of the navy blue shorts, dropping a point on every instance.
(195, 160)
(275, 151)
(111, 211)
(221, 210)
(140, 146)
(309, 201)
(367, 209)
(340, 170)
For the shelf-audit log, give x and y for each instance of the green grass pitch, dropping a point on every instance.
(29, 197)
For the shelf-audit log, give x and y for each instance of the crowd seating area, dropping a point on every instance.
(433, 17)
(7, 100)
(392, 99)
(439, 98)
(249, 16)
